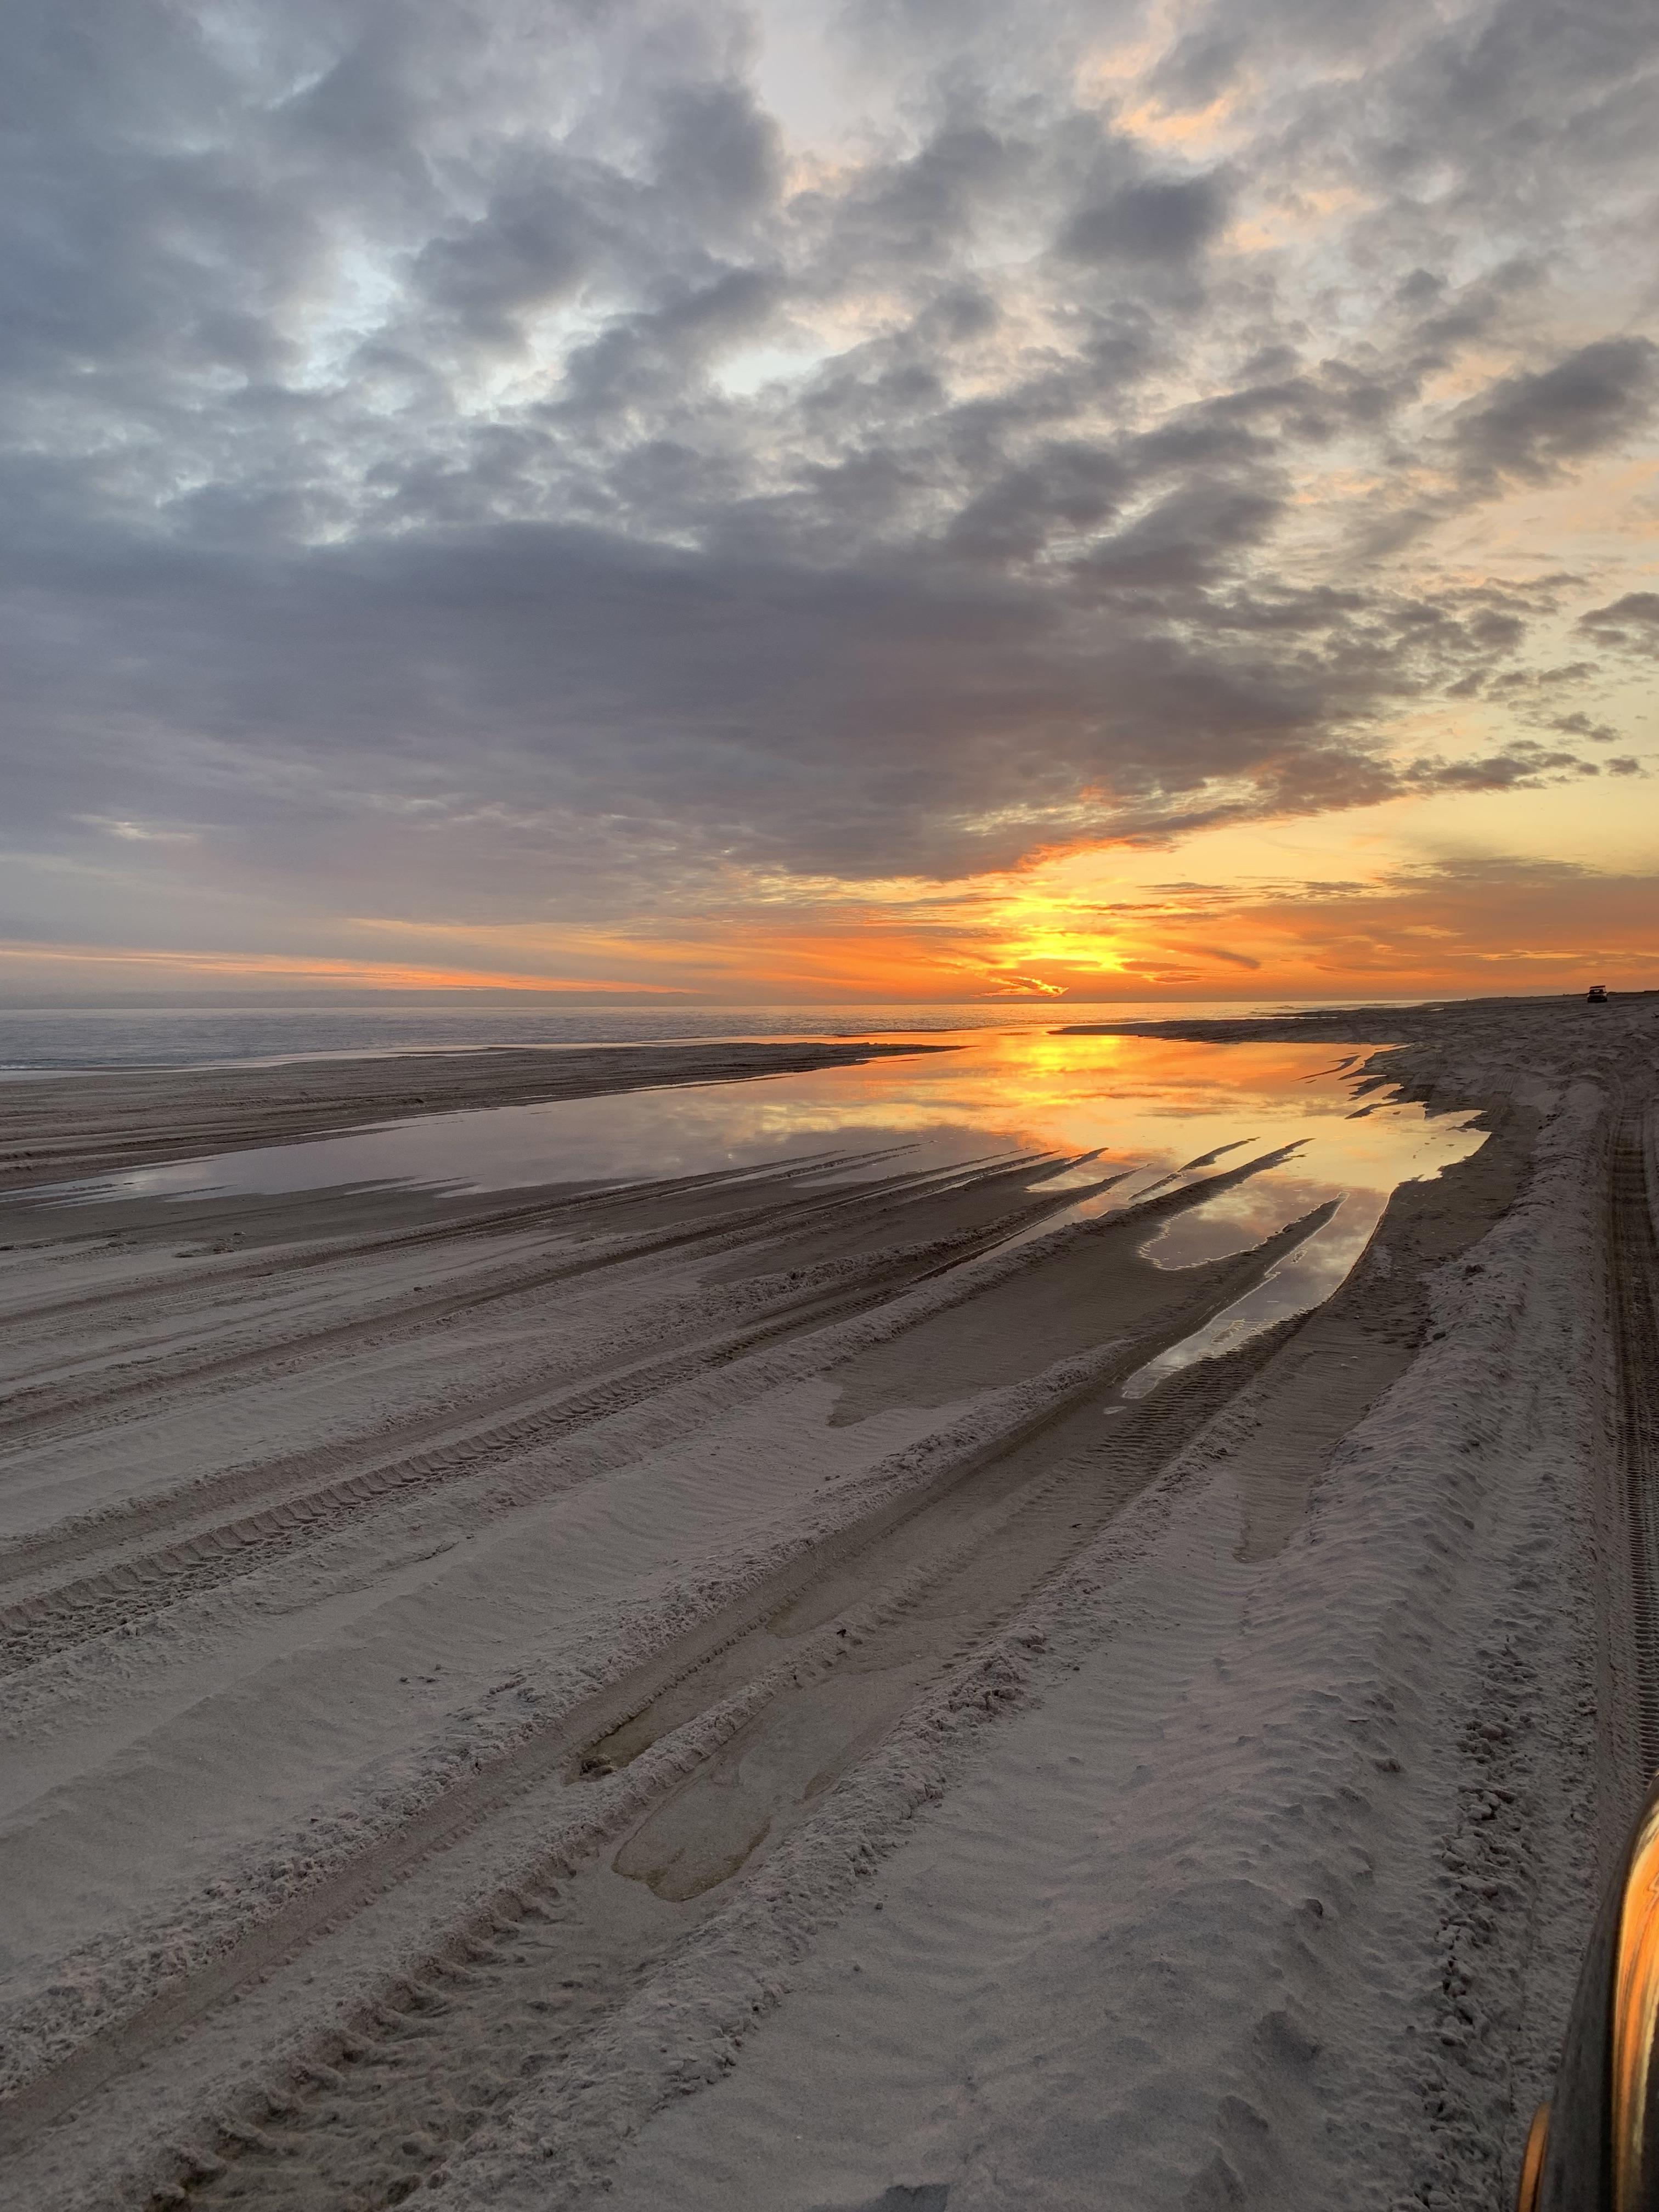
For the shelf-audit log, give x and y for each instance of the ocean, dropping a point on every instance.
(41, 1040)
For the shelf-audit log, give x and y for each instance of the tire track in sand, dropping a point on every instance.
(411, 1312)
(514, 1994)
(533, 1211)
(34, 1627)
(1045, 1528)
(539, 1756)
(1633, 1256)
(104, 1531)
(511, 1998)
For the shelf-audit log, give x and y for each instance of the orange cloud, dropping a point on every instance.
(396, 976)
(1081, 926)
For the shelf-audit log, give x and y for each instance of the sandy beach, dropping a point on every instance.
(722, 1691)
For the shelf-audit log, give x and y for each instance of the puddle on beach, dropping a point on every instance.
(1147, 1107)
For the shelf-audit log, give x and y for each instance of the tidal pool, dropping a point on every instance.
(1147, 1107)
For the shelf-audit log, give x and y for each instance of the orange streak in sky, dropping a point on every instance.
(389, 975)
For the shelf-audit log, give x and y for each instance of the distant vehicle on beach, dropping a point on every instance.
(1597, 995)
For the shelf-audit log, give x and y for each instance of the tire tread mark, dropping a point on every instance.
(474, 1796)
(235, 1547)
(102, 1531)
(1633, 1252)
(408, 1313)
(497, 1221)
(404, 1314)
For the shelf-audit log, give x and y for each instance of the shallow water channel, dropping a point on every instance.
(1150, 1109)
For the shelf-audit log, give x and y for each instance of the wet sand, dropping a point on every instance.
(56, 1129)
(714, 1693)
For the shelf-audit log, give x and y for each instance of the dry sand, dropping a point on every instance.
(712, 1696)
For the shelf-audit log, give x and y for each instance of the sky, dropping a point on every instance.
(907, 499)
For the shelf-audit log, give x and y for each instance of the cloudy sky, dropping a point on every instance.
(913, 498)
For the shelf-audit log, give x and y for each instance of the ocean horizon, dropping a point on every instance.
(41, 1040)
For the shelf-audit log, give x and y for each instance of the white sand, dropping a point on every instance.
(1173, 1801)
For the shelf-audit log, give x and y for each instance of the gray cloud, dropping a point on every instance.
(1631, 621)
(1529, 425)
(1521, 766)
(467, 448)
(1156, 219)
(1581, 725)
(1200, 67)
